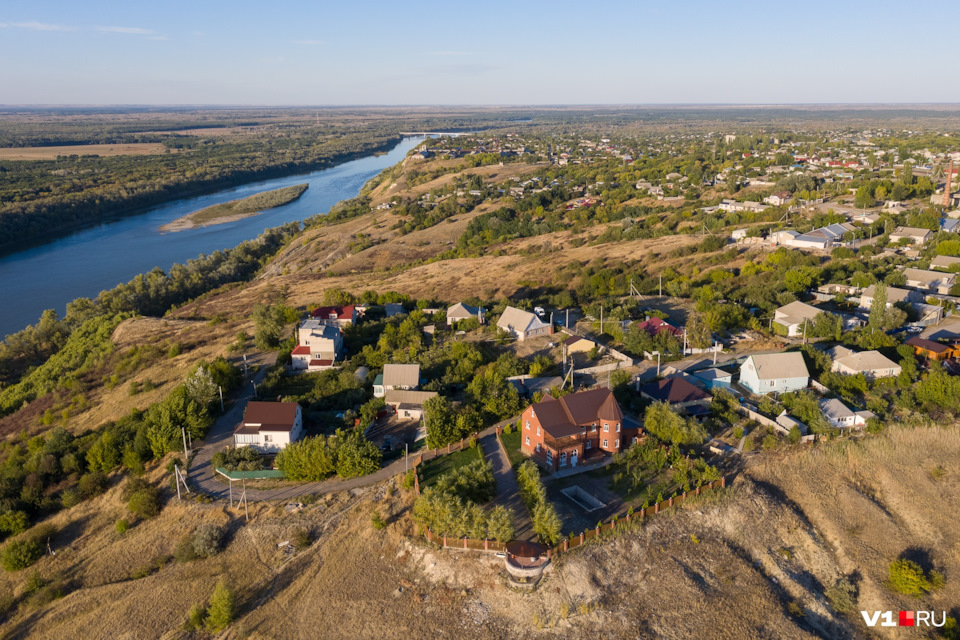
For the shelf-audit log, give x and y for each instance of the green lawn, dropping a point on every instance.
(511, 443)
(433, 469)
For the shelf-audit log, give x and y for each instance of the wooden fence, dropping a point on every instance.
(432, 454)
(572, 541)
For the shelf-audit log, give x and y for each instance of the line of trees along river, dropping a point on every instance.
(98, 258)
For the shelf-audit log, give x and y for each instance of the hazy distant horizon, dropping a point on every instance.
(499, 53)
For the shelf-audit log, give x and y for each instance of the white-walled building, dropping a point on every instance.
(269, 426)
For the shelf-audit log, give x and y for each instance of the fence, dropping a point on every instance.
(263, 474)
(573, 541)
(432, 454)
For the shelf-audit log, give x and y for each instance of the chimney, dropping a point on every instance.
(947, 188)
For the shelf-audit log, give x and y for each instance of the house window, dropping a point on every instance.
(528, 424)
(606, 427)
(616, 443)
(267, 438)
(549, 456)
(563, 459)
(538, 431)
(528, 440)
(593, 427)
(605, 443)
(618, 427)
(538, 447)
(588, 445)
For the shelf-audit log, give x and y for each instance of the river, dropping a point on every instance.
(96, 258)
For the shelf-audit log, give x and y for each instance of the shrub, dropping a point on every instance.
(409, 479)
(738, 432)
(377, 521)
(20, 554)
(748, 444)
(222, 608)
(196, 617)
(207, 540)
(508, 429)
(842, 596)
(92, 484)
(13, 522)
(122, 525)
(69, 498)
(907, 577)
(302, 539)
(184, 552)
(145, 503)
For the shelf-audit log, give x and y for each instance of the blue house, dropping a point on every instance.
(774, 373)
(714, 378)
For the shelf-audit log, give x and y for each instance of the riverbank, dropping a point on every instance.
(237, 209)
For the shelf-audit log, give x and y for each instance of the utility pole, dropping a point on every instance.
(186, 456)
(661, 286)
(406, 457)
(254, 388)
(601, 319)
(221, 397)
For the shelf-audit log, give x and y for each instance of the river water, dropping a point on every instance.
(96, 258)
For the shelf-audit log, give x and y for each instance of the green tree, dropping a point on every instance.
(500, 524)
(222, 609)
(356, 456)
(698, 334)
(878, 307)
(669, 426)
(308, 460)
(907, 577)
(546, 523)
(268, 326)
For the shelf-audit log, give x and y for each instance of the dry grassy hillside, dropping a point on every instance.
(750, 563)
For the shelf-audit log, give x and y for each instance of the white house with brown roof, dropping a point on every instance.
(269, 426)
(522, 324)
(774, 373)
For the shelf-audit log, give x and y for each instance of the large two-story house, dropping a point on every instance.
(340, 317)
(576, 429)
(319, 346)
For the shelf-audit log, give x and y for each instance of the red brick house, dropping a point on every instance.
(576, 429)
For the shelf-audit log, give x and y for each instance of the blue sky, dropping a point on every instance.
(354, 52)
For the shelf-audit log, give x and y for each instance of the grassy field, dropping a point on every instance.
(51, 153)
(433, 469)
(228, 211)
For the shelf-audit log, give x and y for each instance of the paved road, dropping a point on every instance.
(202, 475)
(508, 491)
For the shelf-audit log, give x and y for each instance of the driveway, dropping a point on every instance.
(508, 491)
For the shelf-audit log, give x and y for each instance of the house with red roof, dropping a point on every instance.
(655, 325)
(335, 316)
(577, 429)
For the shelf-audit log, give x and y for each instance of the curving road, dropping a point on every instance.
(201, 475)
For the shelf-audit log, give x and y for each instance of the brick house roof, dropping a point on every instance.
(563, 417)
(268, 416)
(673, 391)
